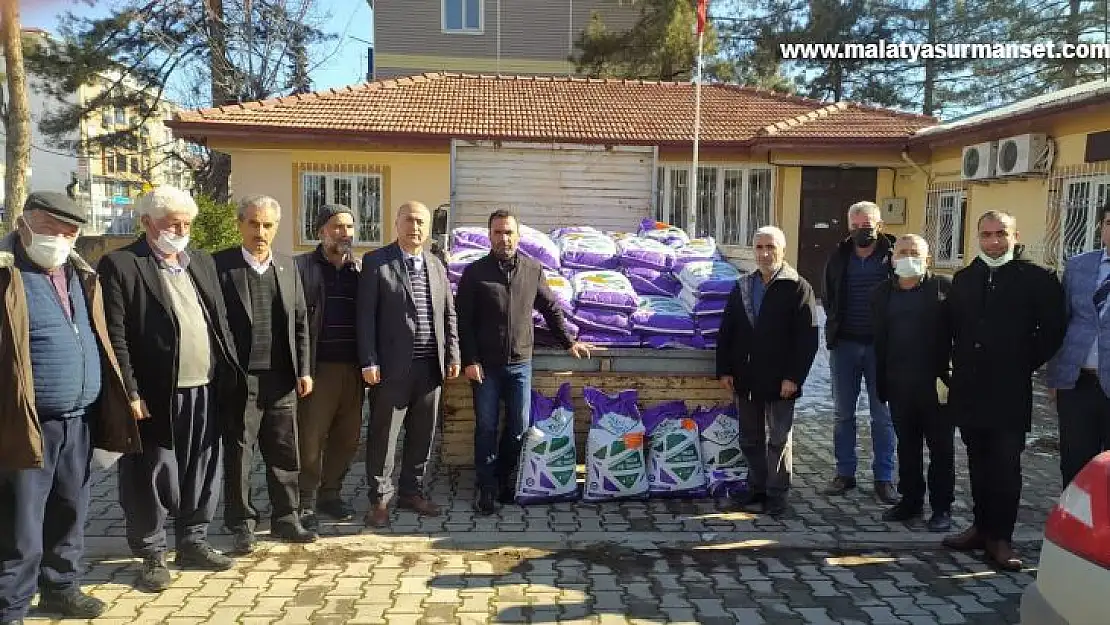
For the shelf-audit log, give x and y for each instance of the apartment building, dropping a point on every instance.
(487, 36)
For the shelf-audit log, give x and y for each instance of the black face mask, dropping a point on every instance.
(863, 237)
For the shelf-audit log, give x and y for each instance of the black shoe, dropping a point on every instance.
(202, 557)
(291, 532)
(840, 485)
(309, 521)
(507, 495)
(337, 509)
(73, 604)
(886, 492)
(154, 576)
(940, 521)
(776, 506)
(902, 511)
(242, 542)
(749, 501)
(487, 501)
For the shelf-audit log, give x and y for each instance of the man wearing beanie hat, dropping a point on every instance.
(63, 395)
(330, 419)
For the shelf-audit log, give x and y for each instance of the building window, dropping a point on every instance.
(121, 163)
(360, 191)
(462, 16)
(732, 201)
(1083, 198)
(121, 116)
(945, 221)
(109, 163)
(135, 165)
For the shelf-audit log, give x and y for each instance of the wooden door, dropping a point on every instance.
(827, 192)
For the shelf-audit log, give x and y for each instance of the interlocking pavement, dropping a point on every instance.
(833, 560)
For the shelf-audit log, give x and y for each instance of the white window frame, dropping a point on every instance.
(329, 179)
(464, 30)
(1092, 203)
(950, 200)
(663, 196)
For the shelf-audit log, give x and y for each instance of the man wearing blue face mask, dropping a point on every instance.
(62, 395)
(1008, 319)
(168, 324)
(912, 350)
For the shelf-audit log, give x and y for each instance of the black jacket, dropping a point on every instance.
(779, 346)
(495, 311)
(1004, 327)
(146, 337)
(310, 266)
(936, 332)
(232, 269)
(836, 281)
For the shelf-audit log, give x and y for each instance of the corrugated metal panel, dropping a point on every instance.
(552, 186)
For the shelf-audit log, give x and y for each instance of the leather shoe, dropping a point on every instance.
(73, 604)
(1002, 555)
(242, 542)
(154, 576)
(291, 532)
(378, 515)
(966, 540)
(902, 511)
(337, 509)
(749, 501)
(886, 492)
(202, 557)
(940, 521)
(507, 495)
(309, 520)
(776, 506)
(487, 501)
(840, 485)
(419, 505)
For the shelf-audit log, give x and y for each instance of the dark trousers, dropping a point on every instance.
(42, 518)
(329, 422)
(409, 402)
(183, 481)
(766, 440)
(495, 460)
(268, 418)
(919, 419)
(1084, 413)
(994, 466)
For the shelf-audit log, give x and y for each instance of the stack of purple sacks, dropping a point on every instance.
(706, 285)
(467, 246)
(603, 297)
(563, 289)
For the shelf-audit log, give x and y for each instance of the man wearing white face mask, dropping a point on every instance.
(168, 325)
(1008, 319)
(62, 395)
(912, 352)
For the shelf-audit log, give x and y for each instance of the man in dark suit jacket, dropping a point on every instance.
(407, 342)
(168, 326)
(267, 314)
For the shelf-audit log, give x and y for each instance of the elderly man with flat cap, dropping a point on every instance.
(330, 419)
(63, 394)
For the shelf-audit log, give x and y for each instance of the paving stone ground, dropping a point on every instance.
(832, 561)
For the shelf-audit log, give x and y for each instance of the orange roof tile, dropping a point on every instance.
(552, 109)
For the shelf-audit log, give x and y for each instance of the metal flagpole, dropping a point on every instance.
(692, 219)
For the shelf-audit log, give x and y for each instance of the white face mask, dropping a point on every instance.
(47, 251)
(909, 267)
(995, 263)
(170, 243)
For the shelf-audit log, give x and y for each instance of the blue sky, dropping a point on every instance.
(340, 62)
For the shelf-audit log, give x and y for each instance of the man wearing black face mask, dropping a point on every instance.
(860, 263)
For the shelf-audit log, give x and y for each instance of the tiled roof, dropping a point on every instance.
(536, 108)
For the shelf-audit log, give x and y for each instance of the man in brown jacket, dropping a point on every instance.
(63, 395)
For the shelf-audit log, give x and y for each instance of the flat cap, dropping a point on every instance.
(59, 205)
(328, 211)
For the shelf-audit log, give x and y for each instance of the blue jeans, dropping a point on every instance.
(495, 461)
(848, 363)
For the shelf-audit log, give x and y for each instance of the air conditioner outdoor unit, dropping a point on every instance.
(1022, 154)
(978, 161)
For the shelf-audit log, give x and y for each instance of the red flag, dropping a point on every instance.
(702, 5)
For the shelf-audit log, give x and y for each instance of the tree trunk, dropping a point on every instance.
(929, 87)
(1073, 31)
(213, 180)
(17, 121)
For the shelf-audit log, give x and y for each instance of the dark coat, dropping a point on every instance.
(232, 269)
(780, 345)
(495, 312)
(310, 266)
(387, 313)
(836, 282)
(936, 332)
(111, 425)
(1005, 325)
(146, 337)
